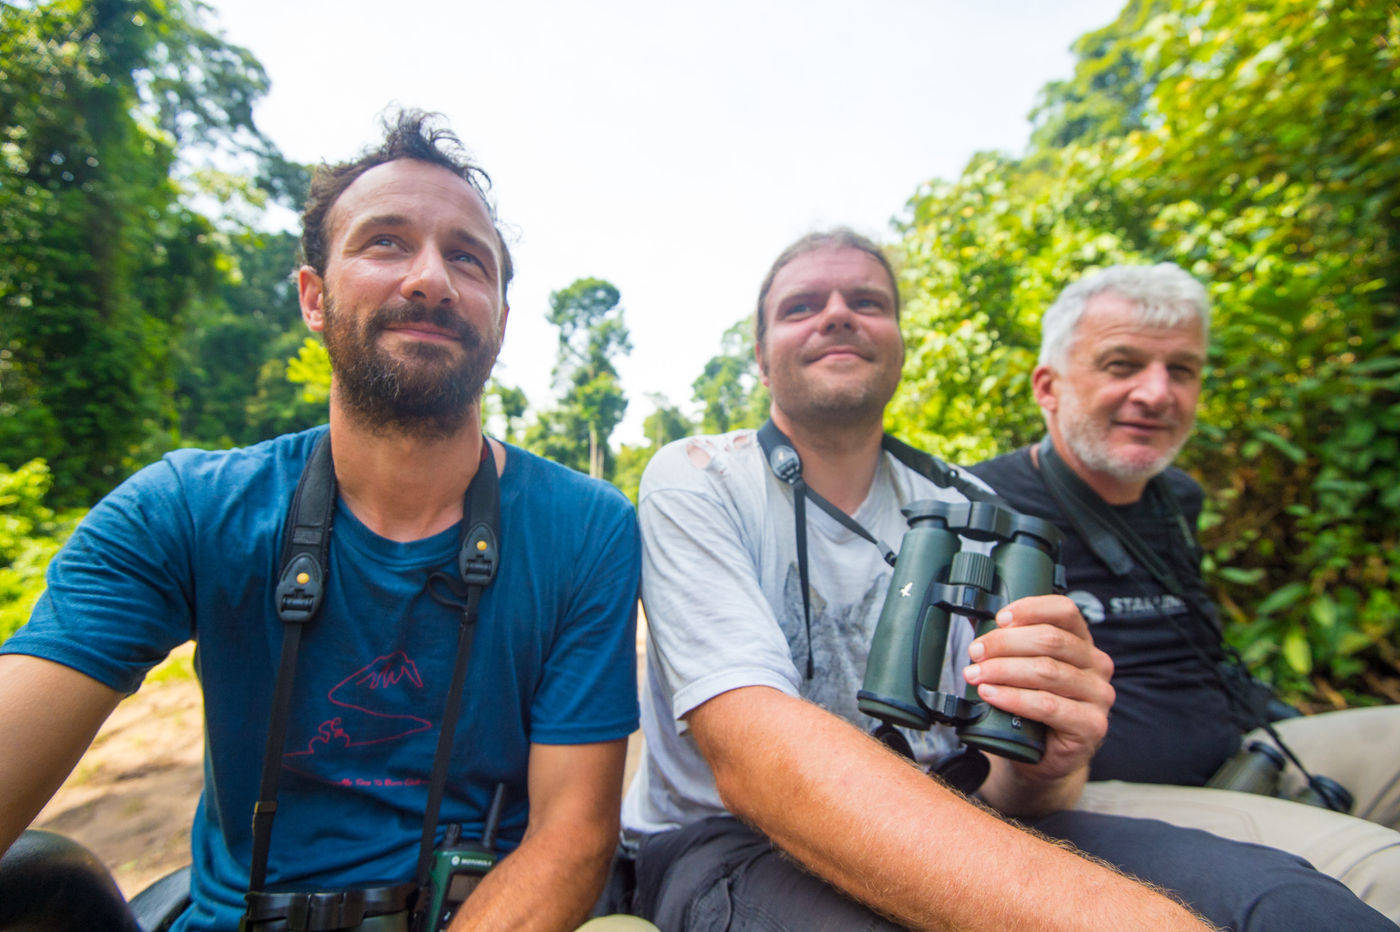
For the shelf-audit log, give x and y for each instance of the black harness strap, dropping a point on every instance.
(477, 560)
(305, 548)
(305, 559)
(787, 466)
(940, 473)
(1111, 538)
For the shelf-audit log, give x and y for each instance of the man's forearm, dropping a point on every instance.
(553, 879)
(49, 714)
(549, 883)
(893, 838)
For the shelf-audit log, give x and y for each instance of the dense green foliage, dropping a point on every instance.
(234, 381)
(100, 255)
(1257, 145)
(30, 533)
(130, 321)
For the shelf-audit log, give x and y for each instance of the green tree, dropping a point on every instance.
(508, 404)
(99, 255)
(665, 423)
(559, 434)
(239, 336)
(290, 392)
(591, 335)
(729, 387)
(1256, 145)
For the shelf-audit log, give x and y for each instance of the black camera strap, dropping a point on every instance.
(300, 588)
(783, 460)
(1121, 549)
(477, 560)
(1112, 539)
(299, 593)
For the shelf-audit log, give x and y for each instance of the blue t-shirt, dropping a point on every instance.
(186, 549)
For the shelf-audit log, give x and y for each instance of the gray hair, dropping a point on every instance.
(1165, 295)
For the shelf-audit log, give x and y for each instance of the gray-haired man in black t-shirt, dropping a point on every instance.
(1120, 370)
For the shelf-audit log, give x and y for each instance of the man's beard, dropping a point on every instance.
(809, 397)
(1088, 441)
(419, 392)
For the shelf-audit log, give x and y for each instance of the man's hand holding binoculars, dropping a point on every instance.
(1040, 663)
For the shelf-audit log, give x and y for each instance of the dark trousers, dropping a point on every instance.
(719, 874)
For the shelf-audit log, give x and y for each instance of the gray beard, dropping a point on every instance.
(1090, 449)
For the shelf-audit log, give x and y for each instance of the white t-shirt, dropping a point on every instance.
(720, 587)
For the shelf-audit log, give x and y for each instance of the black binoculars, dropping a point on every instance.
(934, 580)
(1256, 769)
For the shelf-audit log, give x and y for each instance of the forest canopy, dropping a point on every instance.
(1258, 146)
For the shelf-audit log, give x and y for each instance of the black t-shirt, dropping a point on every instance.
(1171, 720)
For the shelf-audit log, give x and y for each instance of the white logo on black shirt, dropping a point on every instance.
(1146, 606)
(1089, 605)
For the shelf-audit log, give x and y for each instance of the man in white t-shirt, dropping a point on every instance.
(761, 802)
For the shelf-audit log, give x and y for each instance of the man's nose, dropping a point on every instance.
(428, 280)
(1152, 387)
(836, 313)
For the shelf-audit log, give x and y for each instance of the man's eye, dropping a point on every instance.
(798, 310)
(1121, 367)
(467, 258)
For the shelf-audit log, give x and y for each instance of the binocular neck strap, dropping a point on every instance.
(305, 552)
(783, 460)
(478, 558)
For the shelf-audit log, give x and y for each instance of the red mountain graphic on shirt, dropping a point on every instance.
(371, 706)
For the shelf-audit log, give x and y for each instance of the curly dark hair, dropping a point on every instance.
(408, 134)
(838, 238)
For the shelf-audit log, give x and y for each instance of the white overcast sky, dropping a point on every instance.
(672, 148)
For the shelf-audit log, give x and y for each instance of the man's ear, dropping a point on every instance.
(1043, 385)
(762, 365)
(311, 294)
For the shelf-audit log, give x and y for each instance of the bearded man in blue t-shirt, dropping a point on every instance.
(405, 275)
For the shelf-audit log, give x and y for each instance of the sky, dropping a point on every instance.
(671, 148)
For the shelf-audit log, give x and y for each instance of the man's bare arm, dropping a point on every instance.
(553, 879)
(49, 714)
(876, 827)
